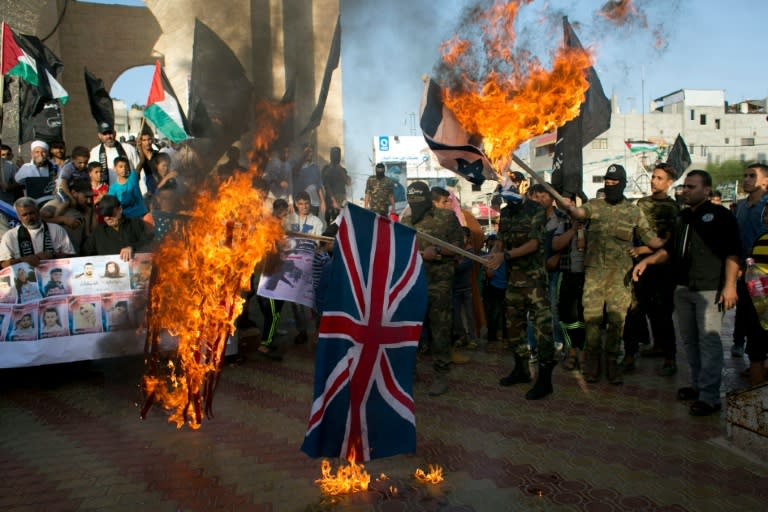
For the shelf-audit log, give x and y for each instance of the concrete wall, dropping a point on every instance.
(273, 39)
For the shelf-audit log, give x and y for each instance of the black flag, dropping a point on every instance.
(220, 94)
(594, 118)
(98, 98)
(679, 158)
(333, 62)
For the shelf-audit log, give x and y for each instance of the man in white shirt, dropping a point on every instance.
(39, 167)
(33, 240)
(108, 150)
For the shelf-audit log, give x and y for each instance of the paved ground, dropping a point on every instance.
(71, 439)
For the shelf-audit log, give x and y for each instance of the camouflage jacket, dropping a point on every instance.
(612, 228)
(661, 214)
(444, 225)
(518, 224)
(379, 192)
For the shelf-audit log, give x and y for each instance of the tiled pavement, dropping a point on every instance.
(71, 439)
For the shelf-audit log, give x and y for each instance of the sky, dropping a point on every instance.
(388, 46)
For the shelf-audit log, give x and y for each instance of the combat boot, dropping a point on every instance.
(592, 367)
(520, 375)
(613, 371)
(543, 386)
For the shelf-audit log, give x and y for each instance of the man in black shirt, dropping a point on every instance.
(118, 234)
(705, 252)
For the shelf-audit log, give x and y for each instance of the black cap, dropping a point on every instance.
(105, 127)
(107, 206)
(417, 192)
(615, 172)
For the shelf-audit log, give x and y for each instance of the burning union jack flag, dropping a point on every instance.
(363, 398)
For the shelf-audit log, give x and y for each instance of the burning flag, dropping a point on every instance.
(163, 109)
(363, 403)
(594, 118)
(449, 141)
(198, 275)
(504, 94)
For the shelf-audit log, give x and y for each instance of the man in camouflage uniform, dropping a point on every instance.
(522, 230)
(441, 223)
(614, 222)
(380, 192)
(653, 293)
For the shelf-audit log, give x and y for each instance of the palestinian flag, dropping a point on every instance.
(23, 57)
(163, 109)
(640, 146)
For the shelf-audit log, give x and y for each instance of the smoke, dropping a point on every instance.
(386, 48)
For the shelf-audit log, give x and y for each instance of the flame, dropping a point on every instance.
(505, 95)
(618, 11)
(348, 479)
(434, 476)
(198, 275)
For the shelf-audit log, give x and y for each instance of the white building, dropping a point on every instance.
(407, 159)
(713, 131)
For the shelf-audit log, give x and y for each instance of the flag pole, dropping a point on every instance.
(423, 236)
(559, 198)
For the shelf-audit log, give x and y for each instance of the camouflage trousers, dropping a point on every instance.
(526, 304)
(440, 321)
(607, 295)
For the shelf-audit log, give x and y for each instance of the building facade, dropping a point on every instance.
(713, 130)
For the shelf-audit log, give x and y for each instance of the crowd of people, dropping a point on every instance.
(600, 279)
(586, 283)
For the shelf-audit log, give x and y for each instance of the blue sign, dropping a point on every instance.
(384, 143)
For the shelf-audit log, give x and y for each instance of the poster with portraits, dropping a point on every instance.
(71, 309)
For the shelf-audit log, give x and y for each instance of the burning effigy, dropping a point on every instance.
(199, 272)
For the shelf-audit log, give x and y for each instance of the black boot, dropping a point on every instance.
(520, 375)
(543, 386)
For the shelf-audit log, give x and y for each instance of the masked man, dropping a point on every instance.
(614, 222)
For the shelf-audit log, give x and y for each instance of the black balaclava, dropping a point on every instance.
(614, 194)
(380, 172)
(419, 199)
(335, 155)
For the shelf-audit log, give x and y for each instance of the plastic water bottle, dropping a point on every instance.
(757, 283)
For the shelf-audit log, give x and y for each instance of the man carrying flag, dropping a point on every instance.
(163, 109)
(363, 399)
(427, 217)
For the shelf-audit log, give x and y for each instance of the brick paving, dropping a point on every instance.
(71, 439)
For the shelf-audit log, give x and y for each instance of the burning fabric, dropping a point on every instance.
(502, 93)
(198, 274)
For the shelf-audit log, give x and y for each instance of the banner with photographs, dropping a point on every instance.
(72, 309)
(292, 280)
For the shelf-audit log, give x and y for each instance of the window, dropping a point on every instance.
(747, 141)
(761, 157)
(597, 179)
(600, 143)
(727, 140)
(717, 124)
(703, 150)
(691, 148)
(693, 115)
(547, 150)
(703, 119)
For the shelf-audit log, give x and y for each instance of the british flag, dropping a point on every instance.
(363, 399)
